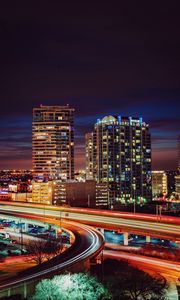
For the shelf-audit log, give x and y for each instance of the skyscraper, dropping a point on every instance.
(53, 142)
(89, 155)
(122, 158)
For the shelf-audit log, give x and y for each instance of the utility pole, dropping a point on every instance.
(21, 236)
(134, 206)
(102, 264)
(158, 212)
(60, 226)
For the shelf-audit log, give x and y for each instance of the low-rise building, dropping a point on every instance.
(80, 194)
(42, 192)
(159, 183)
(177, 184)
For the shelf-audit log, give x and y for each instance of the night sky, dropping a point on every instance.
(101, 59)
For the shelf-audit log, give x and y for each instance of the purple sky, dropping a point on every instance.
(101, 59)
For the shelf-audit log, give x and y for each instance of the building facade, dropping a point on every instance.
(159, 183)
(42, 192)
(53, 142)
(122, 158)
(89, 155)
(81, 194)
(177, 184)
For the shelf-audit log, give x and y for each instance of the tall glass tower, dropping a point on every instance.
(53, 142)
(122, 158)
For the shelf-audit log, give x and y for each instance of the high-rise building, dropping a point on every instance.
(159, 183)
(89, 155)
(122, 158)
(53, 142)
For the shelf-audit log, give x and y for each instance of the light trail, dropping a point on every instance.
(118, 214)
(170, 270)
(90, 236)
(171, 231)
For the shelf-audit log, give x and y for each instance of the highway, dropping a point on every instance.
(143, 224)
(106, 219)
(169, 270)
(88, 242)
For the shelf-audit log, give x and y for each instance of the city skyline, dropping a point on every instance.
(24, 149)
(89, 150)
(101, 60)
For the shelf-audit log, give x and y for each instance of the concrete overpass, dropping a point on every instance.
(141, 224)
(88, 243)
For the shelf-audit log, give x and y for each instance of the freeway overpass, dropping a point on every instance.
(148, 225)
(143, 224)
(88, 243)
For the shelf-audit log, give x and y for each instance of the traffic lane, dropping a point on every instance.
(170, 269)
(88, 243)
(117, 214)
(136, 226)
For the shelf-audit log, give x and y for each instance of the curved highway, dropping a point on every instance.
(88, 243)
(169, 227)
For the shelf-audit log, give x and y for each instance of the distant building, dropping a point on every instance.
(21, 197)
(159, 183)
(177, 184)
(102, 195)
(42, 192)
(171, 181)
(13, 187)
(121, 158)
(53, 142)
(89, 155)
(80, 194)
(80, 175)
(5, 196)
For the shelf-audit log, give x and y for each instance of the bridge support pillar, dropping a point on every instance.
(72, 239)
(148, 239)
(26, 227)
(9, 292)
(25, 290)
(56, 232)
(101, 230)
(125, 235)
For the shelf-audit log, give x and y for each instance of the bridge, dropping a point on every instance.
(148, 225)
(164, 227)
(88, 242)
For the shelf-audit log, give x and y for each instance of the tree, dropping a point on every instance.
(126, 282)
(71, 286)
(43, 250)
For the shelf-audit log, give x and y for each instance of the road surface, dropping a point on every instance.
(142, 224)
(88, 242)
